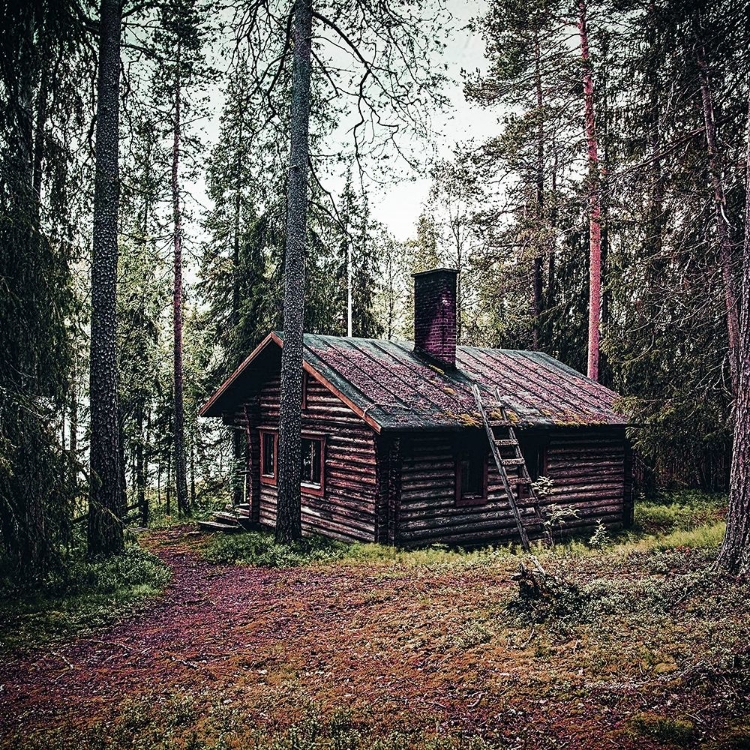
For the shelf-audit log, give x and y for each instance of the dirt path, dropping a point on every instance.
(377, 641)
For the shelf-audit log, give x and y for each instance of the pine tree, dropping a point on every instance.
(105, 534)
(403, 91)
(180, 45)
(237, 279)
(734, 554)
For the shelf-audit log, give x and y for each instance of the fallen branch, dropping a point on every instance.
(62, 658)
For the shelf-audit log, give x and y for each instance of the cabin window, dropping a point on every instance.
(534, 452)
(269, 449)
(471, 476)
(313, 457)
(313, 461)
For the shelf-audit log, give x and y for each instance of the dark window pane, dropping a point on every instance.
(311, 460)
(472, 475)
(269, 459)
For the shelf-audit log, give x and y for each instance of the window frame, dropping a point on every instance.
(269, 479)
(308, 488)
(469, 500)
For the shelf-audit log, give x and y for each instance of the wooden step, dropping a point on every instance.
(224, 528)
(240, 508)
(229, 518)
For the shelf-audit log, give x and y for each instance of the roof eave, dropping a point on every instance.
(207, 410)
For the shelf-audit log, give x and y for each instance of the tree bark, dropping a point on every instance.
(140, 468)
(168, 485)
(180, 469)
(538, 301)
(734, 554)
(722, 226)
(105, 533)
(237, 437)
(288, 520)
(594, 198)
(192, 467)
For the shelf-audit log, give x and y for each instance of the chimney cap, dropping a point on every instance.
(435, 270)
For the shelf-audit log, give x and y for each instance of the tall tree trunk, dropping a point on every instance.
(237, 436)
(722, 226)
(734, 554)
(349, 284)
(288, 519)
(105, 534)
(168, 485)
(550, 296)
(538, 302)
(192, 466)
(594, 198)
(183, 503)
(140, 468)
(123, 479)
(73, 438)
(39, 142)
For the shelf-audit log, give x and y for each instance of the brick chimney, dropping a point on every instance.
(435, 316)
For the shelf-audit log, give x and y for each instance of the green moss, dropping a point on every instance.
(679, 511)
(736, 737)
(672, 731)
(87, 595)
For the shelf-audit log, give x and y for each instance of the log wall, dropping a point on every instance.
(401, 489)
(348, 509)
(587, 466)
(590, 472)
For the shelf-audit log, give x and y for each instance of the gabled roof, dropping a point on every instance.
(394, 389)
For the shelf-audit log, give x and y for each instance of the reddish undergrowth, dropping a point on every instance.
(430, 652)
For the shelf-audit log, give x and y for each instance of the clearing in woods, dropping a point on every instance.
(646, 647)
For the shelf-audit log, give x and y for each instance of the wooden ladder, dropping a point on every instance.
(511, 466)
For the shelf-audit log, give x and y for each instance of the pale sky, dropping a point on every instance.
(399, 207)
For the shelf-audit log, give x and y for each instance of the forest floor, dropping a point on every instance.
(642, 645)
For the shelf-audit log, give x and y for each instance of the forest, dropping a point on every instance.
(178, 178)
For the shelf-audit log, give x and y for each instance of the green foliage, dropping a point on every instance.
(679, 511)
(80, 596)
(40, 51)
(600, 538)
(557, 517)
(678, 732)
(259, 548)
(543, 486)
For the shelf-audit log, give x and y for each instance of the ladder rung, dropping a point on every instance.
(514, 462)
(498, 423)
(518, 480)
(504, 443)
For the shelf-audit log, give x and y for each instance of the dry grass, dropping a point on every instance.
(640, 645)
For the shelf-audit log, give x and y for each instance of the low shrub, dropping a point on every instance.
(672, 731)
(84, 594)
(260, 548)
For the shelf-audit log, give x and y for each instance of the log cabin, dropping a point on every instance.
(393, 442)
